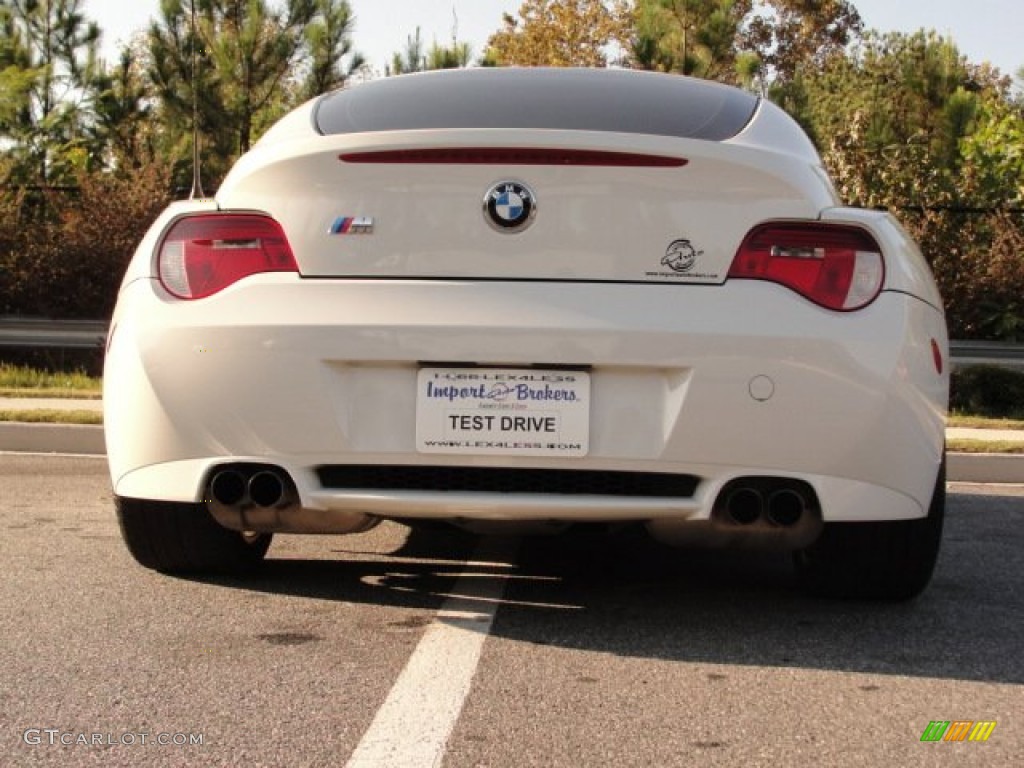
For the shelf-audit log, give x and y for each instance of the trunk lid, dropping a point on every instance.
(429, 218)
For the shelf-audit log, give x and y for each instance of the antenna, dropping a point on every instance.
(197, 181)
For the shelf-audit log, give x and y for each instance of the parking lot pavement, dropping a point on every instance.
(600, 650)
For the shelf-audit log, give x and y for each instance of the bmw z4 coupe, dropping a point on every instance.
(528, 298)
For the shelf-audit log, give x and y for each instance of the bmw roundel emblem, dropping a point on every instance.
(509, 206)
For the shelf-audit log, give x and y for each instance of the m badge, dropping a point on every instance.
(352, 225)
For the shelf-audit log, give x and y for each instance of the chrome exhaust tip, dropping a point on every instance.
(745, 506)
(228, 488)
(785, 508)
(267, 489)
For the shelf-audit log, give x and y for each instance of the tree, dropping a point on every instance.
(787, 35)
(332, 59)
(245, 50)
(413, 58)
(993, 152)
(454, 56)
(123, 122)
(690, 37)
(410, 59)
(906, 87)
(48, 60)
(249, 53)
(560, 33)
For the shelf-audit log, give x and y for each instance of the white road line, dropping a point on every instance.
(412, 728)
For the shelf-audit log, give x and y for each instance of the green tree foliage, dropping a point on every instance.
(915, 86)
(560, 33)
(994, 151)
(332, 58)
(249, 53)
(409, 59)
(690, 37)
(243, 51)
(413, 58)
(124, 113)
(454, 56)
(47, 66)
(741, 41)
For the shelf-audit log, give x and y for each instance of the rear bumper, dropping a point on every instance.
(307, 373)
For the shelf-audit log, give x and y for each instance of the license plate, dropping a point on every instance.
(503, 412)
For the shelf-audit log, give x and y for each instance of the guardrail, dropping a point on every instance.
(34, 332)
(989, 352)
(42, 333)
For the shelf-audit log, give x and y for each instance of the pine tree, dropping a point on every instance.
(48, 62)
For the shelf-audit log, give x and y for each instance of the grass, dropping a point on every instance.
(52, 416)
(55, 394)
(967, 421)
(22, 381)
(984, 446)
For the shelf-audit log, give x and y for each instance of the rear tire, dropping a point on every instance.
(890, 560)
(180, 538)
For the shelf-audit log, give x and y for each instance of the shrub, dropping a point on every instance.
(988, 390)
(978, 259)
(63, 252)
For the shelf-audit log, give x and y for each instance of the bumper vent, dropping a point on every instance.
(506, 480)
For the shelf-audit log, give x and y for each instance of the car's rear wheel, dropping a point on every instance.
(891, 560)
(174, 537)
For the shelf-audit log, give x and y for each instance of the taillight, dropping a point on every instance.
(206, 253)
(839, 267)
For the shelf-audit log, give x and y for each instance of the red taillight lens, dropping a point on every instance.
(839, 267)
(203, 254)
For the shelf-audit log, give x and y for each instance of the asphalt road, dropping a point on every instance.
(602, 652)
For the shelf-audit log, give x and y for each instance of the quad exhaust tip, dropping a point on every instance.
(745, 506)
(262, 498)
(758, 512)
(765, 502)
(228, 488)
(265, 488)
(786, 507)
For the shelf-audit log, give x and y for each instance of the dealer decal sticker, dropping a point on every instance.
(682, 261)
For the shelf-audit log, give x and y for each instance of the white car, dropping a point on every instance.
(519, 299)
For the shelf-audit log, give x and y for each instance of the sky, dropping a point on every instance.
(984, 30)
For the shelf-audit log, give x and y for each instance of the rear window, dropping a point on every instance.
(620, 101)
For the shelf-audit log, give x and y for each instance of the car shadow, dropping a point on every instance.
(624, 594)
